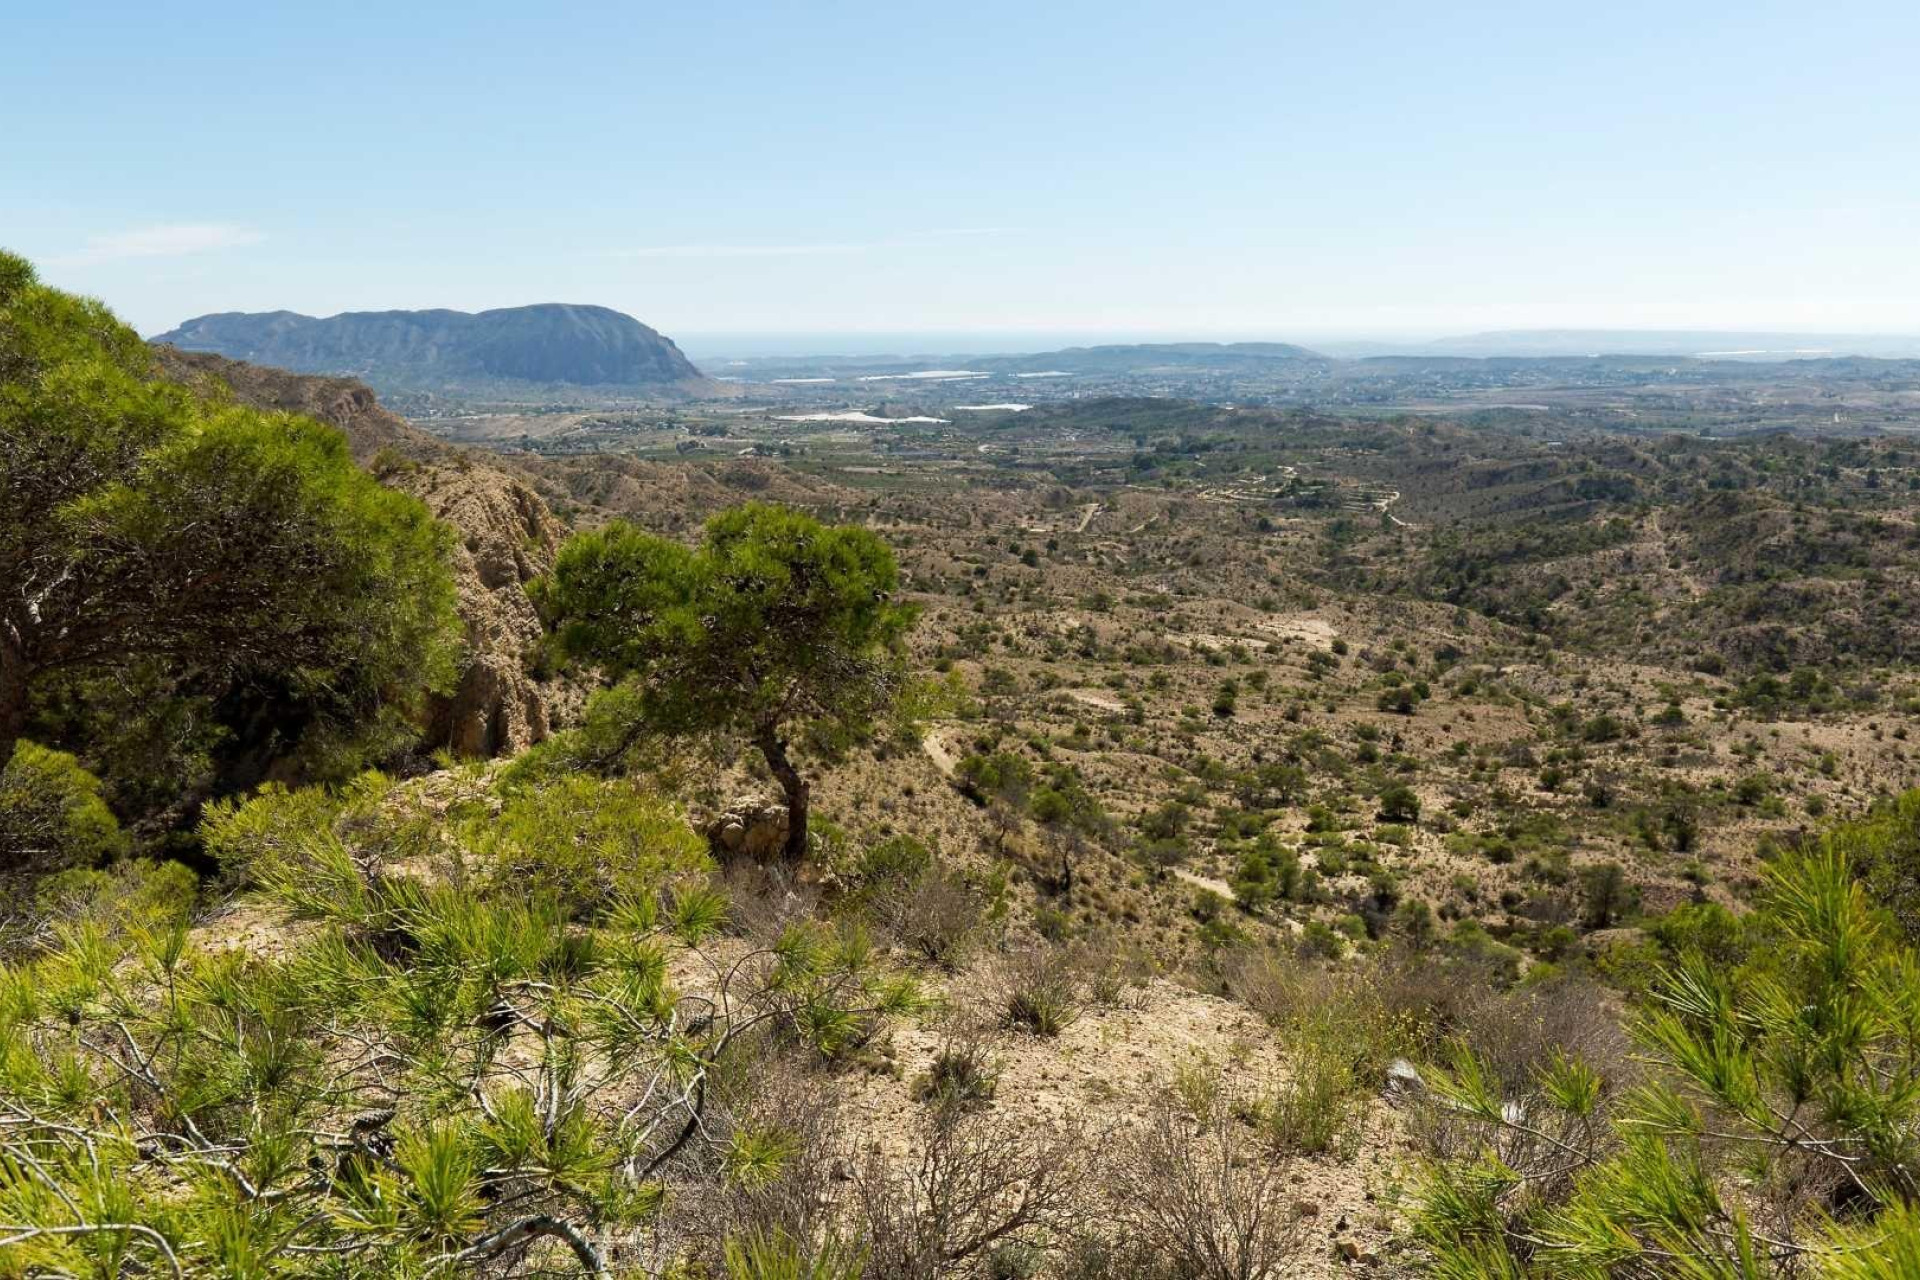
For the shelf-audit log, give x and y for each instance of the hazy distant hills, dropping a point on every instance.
(1710, 344)
(548, 344)
(1137, 359)
(1166, 355)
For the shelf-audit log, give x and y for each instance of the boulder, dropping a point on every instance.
(1403, 1080)
(749, 827)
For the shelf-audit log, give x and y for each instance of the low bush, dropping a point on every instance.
(1042, 991)
(52, 816)
(964, 1073)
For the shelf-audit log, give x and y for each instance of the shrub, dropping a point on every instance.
(569, 1077)
(1318, 941)
(963, 1073)
(1042, 992)
(778, 1256)
(253, 841)
(978, 1182)
(130, 894)
(587, 842)
(1316, 1110)
(51, 815)
(1189, 1199)
(1884, 850)
(1801, 1056)
(1399, 804)
(1268, 872)
(937, 915)
(899, 858)
(1606, 895)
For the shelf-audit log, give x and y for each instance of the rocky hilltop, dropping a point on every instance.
(548, 344)
(507, 537)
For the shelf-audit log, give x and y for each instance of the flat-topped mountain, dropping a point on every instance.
(550, 343)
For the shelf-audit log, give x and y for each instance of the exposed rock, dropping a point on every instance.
(1403, 1080)
(507, 537)
(750, 827)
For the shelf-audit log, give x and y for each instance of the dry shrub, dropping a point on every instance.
(1193, 1198)
(1041, 990)
(936, 916)
(965, 1072)
(977, 1183)
(1517, 1035)
(1116, 976)
(775, 1099)
(764, 900)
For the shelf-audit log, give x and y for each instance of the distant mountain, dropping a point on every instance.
(1706, 343)
(551, 343)
(1144, 358)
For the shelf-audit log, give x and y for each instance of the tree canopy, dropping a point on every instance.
(775, 619)
(196, 550)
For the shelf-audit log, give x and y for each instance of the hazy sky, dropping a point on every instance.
(1259, 169)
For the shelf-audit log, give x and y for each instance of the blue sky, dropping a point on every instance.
(1261, 169)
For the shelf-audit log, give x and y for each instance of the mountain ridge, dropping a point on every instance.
(550, 343)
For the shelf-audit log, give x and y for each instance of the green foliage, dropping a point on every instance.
(1884, 850)
(131, 894)
(777, 1256)
(1399, 804)
(775, 619)
(274, 835)
(203, 552)
(1606, 895)
(1268, 872)
(1316, 1110)
(1000, 778)
(447, 1068)
(1798, 1054)
(51, 815)
(587, 843)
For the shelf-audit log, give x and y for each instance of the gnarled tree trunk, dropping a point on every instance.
(774, 748)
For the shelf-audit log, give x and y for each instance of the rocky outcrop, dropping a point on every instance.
(507, 537)
(750, 827)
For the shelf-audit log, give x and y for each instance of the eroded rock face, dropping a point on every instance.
(750, 827)
(507, 537)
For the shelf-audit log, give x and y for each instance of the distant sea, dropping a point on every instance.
(708, 347)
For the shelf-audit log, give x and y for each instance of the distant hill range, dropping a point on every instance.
(1706, 344)
(549, 344)
(1138, 358)
(1169, 355)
